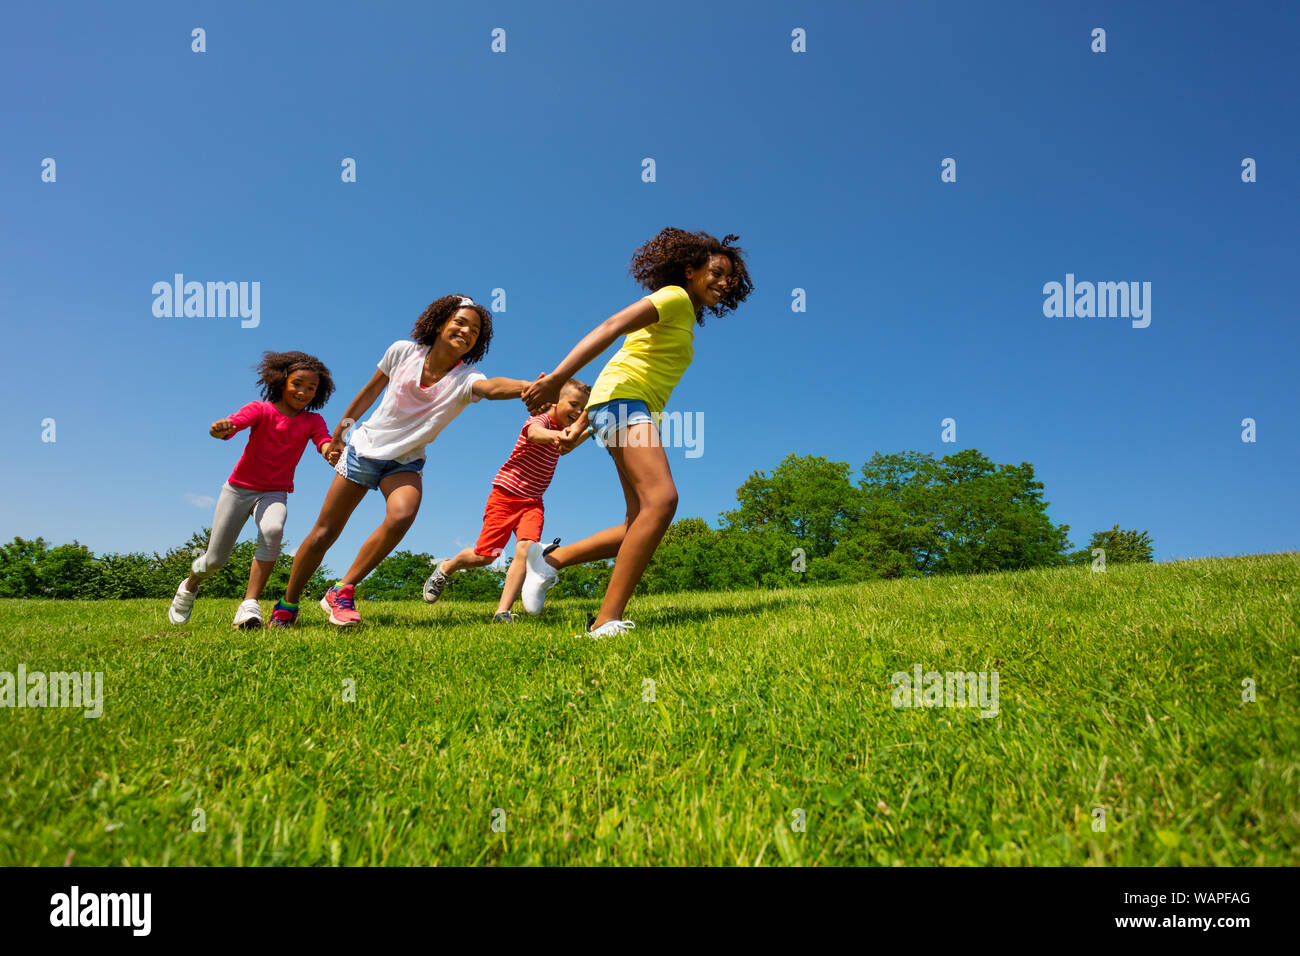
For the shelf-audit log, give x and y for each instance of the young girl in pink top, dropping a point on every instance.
(294, 385)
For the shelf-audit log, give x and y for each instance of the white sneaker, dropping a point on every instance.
(249, 615)
(610, 629)
(182, 605)
(539, 578)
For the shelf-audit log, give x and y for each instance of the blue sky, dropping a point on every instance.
(522, 170)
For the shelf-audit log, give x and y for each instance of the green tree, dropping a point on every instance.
(681, 560)
(993, 517)
(67, 571)
(122, 576)
(808, 498)
(758, 558)
(399, 577)
(587, 581)
(20, 560)
(1121, 547)
(897, 532)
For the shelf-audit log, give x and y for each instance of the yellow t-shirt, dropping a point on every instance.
(652, 360)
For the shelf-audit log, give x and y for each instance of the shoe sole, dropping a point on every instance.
(249, 624)
(325, 606)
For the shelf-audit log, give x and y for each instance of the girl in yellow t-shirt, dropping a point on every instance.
(686, 273)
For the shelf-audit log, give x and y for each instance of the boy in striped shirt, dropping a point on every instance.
(515, 504)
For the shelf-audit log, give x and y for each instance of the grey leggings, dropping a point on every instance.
(268, 508)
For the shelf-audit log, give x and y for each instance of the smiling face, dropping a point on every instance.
(300, 389)
(566, 411)
(460, 332)
(708, 284)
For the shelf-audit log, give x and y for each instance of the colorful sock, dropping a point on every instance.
(285, 604)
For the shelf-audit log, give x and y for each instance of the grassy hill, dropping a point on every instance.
(1119, 692)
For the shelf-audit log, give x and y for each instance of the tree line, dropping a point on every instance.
(804, 522)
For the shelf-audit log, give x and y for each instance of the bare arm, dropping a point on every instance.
(543, 436)
(358, 407)
(495, 389)
(546, 390)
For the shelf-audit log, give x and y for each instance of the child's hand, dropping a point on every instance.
(545, 391)
(570, 438)
(333, 451)
(222, 429)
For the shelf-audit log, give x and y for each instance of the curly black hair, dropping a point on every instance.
(433, 318)
(663, 260)
(275, 368)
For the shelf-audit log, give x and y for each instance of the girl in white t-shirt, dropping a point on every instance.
(426, 382)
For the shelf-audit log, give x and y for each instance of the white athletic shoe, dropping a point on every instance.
(539, 578)
(182, 605)
(610, 629)
(249, 615)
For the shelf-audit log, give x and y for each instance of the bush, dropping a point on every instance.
(32, 569)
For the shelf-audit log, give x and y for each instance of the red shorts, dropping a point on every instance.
(503, 514)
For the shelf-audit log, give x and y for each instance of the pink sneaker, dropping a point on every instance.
(338, 603)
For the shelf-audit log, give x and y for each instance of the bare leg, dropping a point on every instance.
(402, 493)
(340, 501)
(465, 559)
(645, 468)
(257, 576)
(651, 503)
(602, 544)
(514, 577)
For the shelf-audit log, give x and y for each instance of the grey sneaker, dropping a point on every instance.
(503, 617)
(435, 583)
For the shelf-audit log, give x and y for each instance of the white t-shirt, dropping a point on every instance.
(409, 416)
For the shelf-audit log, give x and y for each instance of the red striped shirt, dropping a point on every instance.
(528, 471)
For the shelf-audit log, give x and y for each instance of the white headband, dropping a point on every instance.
(465, 300)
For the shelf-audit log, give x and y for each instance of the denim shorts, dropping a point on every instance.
(608, 418)
(368, 471)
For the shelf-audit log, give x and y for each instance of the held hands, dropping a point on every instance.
(333, 451)
(222, 429)
(545, 391)
(570, 438)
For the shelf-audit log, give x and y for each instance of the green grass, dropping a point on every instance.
(1120, 690)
